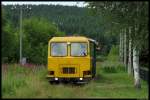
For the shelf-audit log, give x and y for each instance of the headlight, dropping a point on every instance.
(56, 78)
(81, 78)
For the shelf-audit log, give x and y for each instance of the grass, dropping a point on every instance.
(30, 82)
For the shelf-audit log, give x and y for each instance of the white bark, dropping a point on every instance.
(120, 48)
(136, 68)
(122, 45)
(130, 54)
(125, 48)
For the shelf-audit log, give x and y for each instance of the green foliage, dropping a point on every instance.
(112, 66)
(101, 58)
(59, 33)
(23, 82)
(123, 15)
(111, 69)
(37, 32)
(113, 53)
(69, 20)
(12, 81)
(9, 40)
(114, 50)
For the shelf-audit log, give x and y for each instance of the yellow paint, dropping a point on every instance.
(80, 63)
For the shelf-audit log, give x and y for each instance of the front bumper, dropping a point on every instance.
(75, 79)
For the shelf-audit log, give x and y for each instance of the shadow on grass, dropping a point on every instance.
(100, 78)
(68, 83)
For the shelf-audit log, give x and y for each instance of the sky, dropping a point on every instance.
(69, 3)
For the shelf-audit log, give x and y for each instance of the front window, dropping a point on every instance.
(78, 49)
(58, 49)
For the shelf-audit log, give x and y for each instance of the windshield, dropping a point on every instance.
(78, 49)
(58, 49)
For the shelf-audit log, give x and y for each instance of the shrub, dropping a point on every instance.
(37, 32)
(112, 67)
(113, 54)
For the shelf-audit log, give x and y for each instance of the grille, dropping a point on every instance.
(68, 70)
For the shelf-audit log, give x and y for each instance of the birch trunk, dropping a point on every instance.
(125, 48)
(136, 68)
(130, 54)
(120, 48)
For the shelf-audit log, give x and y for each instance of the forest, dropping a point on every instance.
(121, 29)
(55, 21)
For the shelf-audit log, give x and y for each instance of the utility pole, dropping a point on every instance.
(21, 15)
(20, 34)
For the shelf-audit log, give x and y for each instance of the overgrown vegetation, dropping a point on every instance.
(45, 21)
(113, 54)
(36, 34)
(129, 20)
(30, 82)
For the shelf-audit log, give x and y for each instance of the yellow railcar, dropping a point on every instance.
(71, 58)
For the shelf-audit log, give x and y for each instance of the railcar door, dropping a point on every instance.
(93, 58)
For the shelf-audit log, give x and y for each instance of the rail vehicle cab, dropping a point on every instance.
(71, 58)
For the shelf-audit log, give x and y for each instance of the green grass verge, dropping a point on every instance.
(20, 82)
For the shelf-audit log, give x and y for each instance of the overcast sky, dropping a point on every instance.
(69, 3)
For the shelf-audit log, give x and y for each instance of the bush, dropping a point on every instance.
(112, 67)
(37, 34)
(109, 69)
(113, 54)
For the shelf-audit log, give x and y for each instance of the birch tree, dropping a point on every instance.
(130, 53)
(121, 47)
(125, 48)
(120, 52)
(136, 67)
(129, 14)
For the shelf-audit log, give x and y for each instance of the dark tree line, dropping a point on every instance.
(44, 21)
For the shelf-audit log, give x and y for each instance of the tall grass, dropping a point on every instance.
(19, 78)
(111, 63)
(30, 82)
(112, 67)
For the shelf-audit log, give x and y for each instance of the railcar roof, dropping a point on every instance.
(69, 39)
